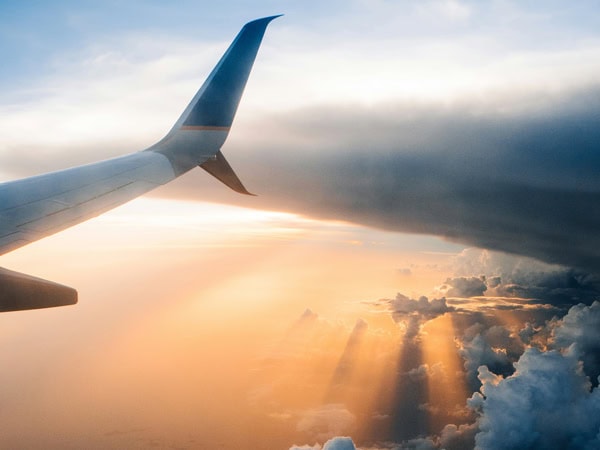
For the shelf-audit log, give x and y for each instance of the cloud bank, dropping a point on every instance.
(522, 183)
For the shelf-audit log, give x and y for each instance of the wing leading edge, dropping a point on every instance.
(36, 207)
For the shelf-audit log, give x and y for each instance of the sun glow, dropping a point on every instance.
(448, 391)
(206, 302)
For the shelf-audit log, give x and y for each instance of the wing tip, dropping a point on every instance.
(264, 20)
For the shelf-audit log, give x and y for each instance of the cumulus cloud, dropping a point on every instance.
(412, 313)
(339, 443)
(480, 351)
(491, 346)
(429, 308)
(531, 382)
(464, 286)
(420, 373)
(546, 403)
(579, 333)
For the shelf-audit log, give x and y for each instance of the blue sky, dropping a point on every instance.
(399, 143)
(34, 33)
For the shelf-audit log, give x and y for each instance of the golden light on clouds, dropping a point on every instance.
(447, 389)
(192, 316)
(198, 319)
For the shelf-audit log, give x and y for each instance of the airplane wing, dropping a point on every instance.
(36, 207)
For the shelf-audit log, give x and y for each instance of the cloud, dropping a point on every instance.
(527, 377)
(518, 277)
(424, 372)
(484, 350)
(413, 313)
(579, 333)
(464, 287)
(547, 403)
(339, 443)
(402, 305)
(521, 183)
(460, 437)
(548, 400)
(492, 345)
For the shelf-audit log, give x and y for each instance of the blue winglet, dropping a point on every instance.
(215, 104)
(202, 129)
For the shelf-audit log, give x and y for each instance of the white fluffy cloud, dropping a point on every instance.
(546, 403)
(579, 333)
(337, 443)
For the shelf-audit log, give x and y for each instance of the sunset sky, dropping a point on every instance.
(418, 271)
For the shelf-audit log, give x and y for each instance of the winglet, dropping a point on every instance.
(215, 104)
(201, 130)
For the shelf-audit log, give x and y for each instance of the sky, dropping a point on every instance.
(420, 269)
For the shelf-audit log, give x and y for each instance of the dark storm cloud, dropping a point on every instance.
(523, 182)
(518, 174)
